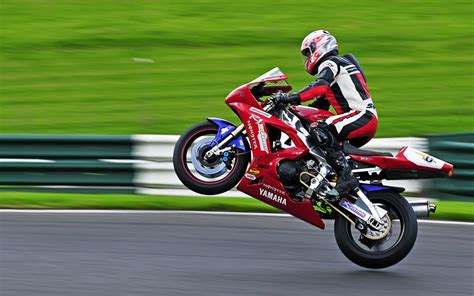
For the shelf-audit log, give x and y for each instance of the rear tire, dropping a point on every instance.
(394, 254)
(203, 186)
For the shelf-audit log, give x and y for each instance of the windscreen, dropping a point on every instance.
(273, 73)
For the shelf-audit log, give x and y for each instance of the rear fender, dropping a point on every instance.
(367, 188)
(224, 129)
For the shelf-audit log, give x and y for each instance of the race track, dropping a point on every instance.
(172, 253)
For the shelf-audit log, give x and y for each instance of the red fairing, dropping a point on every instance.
(404, 161)
(242, 94)
(311, 114)
(269, 190)
(261, 180)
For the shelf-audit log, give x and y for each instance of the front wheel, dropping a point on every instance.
(380, 249)
(206, 176)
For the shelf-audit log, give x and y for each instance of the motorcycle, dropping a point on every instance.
(272, 158)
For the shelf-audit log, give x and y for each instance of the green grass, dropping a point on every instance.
(447, 210)
(66, 66)
(21, 200)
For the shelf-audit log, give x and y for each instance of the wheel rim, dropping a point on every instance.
(379, 243)
(209, 170)
(193, 166)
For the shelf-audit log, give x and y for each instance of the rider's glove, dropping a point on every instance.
(284, 99)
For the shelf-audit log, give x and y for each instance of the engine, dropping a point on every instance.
(289, 172)
(296, 176)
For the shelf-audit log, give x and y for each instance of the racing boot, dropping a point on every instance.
(346, 181)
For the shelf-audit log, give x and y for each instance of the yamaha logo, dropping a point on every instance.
(272, 196)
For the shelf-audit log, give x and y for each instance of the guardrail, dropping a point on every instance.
(458, 149)
(137, 160)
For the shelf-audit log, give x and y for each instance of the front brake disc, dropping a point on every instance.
(379, 234)
(216, 169)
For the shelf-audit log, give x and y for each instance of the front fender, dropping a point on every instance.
(224, 129)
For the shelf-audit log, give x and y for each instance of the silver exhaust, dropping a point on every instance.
(422, 208)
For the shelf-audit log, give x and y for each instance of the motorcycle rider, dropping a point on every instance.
(340, 84)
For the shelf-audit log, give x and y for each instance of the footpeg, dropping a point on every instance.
(312, 187)
(315, 182)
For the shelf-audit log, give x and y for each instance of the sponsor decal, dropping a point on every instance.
(261, 134)
(224, 130)
(252, 138)
(254, 171)
(260, 112)
(352, 208)
(256, 118)
(424, 156)
(262, 138)
(422, 159)
(272, 196)
(250, 176)
(270, 187)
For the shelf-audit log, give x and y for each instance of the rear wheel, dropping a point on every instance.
(206, 176)
(380, 249)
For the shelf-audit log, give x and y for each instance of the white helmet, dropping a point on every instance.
(315, 46)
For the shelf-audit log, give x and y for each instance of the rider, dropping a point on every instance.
(340, 84)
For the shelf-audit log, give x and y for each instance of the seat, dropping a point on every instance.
(349, 149)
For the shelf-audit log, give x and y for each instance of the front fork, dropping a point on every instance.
(219, 149)
(364, 209)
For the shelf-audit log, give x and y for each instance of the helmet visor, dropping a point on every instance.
(306, 54)
(308, 51)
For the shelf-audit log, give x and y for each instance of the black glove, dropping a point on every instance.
(284, 99)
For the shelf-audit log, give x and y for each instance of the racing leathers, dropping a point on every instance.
(342, 85)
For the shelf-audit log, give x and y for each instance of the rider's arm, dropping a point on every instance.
(327, 72)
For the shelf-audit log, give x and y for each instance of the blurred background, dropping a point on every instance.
(131, 67)
(158, 67)
(72, 70)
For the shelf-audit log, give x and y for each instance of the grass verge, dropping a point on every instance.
(447, 210)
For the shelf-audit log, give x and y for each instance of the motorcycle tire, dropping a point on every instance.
(375, 260)
(207, 187)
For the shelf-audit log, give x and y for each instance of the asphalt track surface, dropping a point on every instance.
(197, 254)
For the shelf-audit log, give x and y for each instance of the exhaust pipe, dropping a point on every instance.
(422, 208)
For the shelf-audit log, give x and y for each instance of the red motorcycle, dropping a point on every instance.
(272, 158)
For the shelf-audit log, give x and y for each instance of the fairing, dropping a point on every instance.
(407, 159)
(310, 114)
(261, 180)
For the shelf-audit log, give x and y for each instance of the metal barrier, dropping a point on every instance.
(457, 149)
(137, 160)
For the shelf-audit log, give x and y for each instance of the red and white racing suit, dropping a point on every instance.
(343, 86)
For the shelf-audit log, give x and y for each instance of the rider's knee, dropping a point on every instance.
(322, 135)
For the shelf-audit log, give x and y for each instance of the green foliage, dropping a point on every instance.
(68, 66)
(447, 210)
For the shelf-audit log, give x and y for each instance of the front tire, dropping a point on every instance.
(377, 256)
(191, 179)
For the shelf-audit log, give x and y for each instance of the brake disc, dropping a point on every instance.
(380, 234)
(208, 170)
